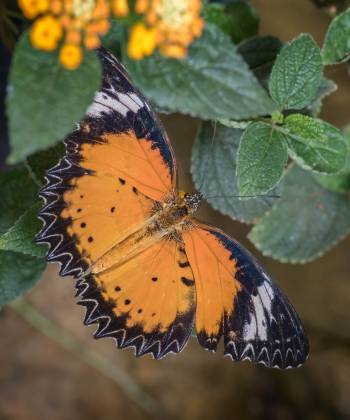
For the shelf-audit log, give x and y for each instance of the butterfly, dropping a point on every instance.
(147, 271)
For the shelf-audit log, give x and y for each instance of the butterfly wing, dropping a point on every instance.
(147, 303)
(237, 300)
(117, 168)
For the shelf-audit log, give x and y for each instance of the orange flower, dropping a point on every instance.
(101, 10)
(56, 6)
(46, 33)
(33, 8)
(73, 37)
(141, 6)
(91, 41)
(173, 50)
(71, 56)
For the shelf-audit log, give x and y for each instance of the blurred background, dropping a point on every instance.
(72, 376)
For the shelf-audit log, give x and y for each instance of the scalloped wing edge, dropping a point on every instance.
(123, 338)
(50, 193)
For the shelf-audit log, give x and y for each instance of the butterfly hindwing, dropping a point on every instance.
(237, 300)
(118, 165)
(147, 302)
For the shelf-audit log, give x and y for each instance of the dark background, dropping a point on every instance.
(39, 379)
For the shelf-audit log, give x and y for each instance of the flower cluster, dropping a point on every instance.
(72, 24)
(169, 25)
(75, 22)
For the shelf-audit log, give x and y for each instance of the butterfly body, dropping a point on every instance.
(167, 221)
(146, 270)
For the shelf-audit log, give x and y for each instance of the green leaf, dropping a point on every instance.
(304, 223)
(346, 133)
(326, 88)
(260, 53)
(20, 237)
(212, 82)
(214, 13)
(336, 48)
(214, 173)
(262, 157)
(242, 125)
(239, 19)
(41, 161)
(297, 73)
(18, 193)
(18, 272)
(315, 144)
(115, 37)
(339, 183)
(44, 99)
(17, 276)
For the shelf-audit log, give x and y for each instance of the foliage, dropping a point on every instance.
(21, 261)
(37, 103)
(213, 81)
(336, 47)
(261, 136)
(306, 221)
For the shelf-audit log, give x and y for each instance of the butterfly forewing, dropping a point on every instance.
(118, 165)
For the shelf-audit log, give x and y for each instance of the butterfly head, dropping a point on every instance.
(192, 201)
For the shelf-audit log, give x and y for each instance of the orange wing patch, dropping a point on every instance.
(102, 210)
(122, 155)
(216, 288)
(149, 300)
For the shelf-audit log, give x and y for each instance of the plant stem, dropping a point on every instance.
(66, 340)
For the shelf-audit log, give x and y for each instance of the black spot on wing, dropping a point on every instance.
(187, 282)
(183, 264)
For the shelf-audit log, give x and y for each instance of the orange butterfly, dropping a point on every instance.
(146, 269)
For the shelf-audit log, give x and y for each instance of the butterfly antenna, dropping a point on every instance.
(246, 196)
(201, 185)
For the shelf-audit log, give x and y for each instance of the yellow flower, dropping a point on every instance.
(71, 56)
(73, 21)
(142, 41)
(33, 8)
(46, 33)
(120, 8)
